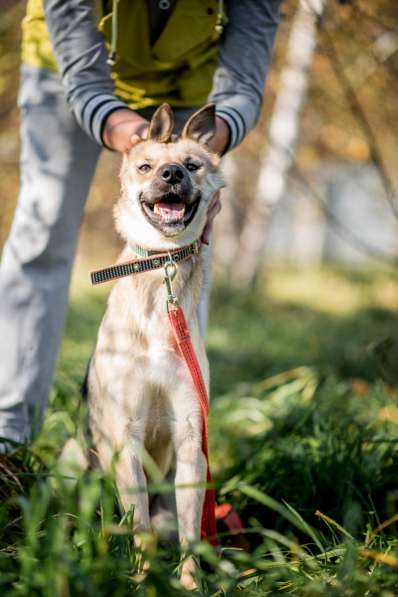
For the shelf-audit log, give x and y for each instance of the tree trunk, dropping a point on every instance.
(283, 134)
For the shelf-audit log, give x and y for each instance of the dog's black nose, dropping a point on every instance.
(172, 173)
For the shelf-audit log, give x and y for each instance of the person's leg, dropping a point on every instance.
(57, 164)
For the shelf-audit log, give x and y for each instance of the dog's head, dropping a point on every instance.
(168, 182)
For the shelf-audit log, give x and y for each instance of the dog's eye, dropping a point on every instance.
(144, 168)
(191, 167)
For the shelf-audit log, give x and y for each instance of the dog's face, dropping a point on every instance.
(167, 183)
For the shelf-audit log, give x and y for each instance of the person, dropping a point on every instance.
(92, 74)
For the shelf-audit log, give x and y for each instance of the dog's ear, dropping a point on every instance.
(201, 127)
(162, 124)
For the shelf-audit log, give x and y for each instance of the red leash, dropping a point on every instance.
(183, 339)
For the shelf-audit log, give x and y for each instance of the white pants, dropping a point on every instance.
(58, 162)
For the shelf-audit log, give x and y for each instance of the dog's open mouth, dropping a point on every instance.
(170, 210)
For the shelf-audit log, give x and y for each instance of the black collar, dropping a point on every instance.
(148, 261)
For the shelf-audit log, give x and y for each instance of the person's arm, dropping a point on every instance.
(81, 56)
(245, 57)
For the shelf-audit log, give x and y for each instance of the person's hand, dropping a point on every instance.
(213, 209)
(123, 129)
(220, 141)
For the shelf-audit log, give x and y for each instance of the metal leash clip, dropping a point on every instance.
(170, 270)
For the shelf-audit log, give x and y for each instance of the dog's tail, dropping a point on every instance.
(84, 386)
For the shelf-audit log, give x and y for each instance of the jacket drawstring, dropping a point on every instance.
(220, 18)
(112, 54)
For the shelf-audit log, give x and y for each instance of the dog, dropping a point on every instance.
(141, 397)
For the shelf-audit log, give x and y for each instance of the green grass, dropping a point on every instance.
(304, 444)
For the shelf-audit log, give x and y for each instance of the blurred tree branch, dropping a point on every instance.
(360, 12)
(359, 114)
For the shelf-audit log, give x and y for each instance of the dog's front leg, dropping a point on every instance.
(190, 479)
(132, 486)
(120, 450)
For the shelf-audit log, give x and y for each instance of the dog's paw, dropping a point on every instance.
(143, 567)
(189, 570)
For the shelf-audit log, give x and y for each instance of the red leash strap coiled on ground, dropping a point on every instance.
(183, 339)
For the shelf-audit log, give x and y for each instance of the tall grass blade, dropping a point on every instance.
(287, 512)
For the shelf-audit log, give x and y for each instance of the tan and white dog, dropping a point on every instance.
(141, 397)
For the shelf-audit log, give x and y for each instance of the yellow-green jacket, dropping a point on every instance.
(189, 63)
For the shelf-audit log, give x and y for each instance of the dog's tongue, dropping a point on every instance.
(169, 212)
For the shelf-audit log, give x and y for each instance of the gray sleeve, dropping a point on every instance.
(245, 57)
(81, 56)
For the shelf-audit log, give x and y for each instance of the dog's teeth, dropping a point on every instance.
(170, 212)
